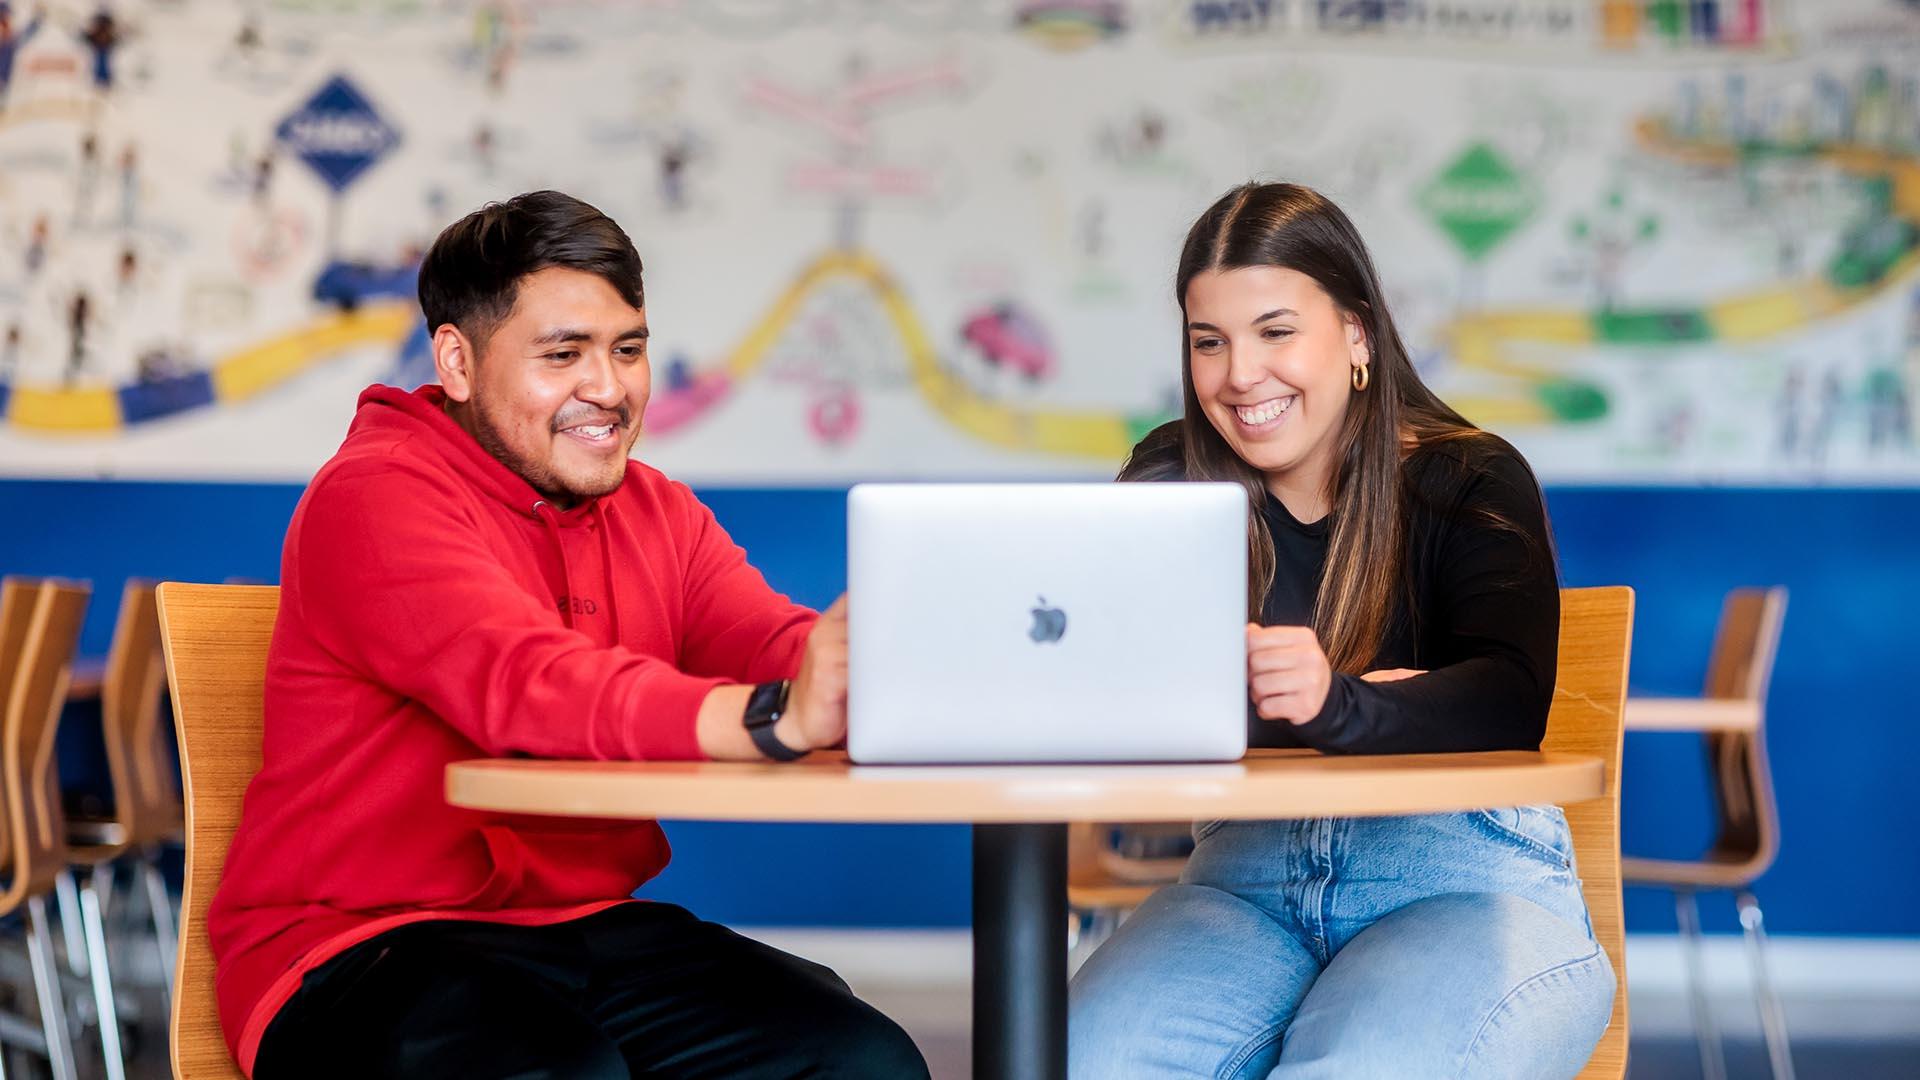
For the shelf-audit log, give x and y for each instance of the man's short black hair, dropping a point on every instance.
(470, 276)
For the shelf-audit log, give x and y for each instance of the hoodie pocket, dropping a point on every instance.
(560, 861)
(505, 866)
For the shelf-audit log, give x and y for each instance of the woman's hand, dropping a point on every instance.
(1392, 674)
(1287, 672)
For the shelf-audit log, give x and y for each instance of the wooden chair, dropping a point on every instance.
(1589, 699)
(1588, 717)
(1731, 719)
(40, 628)
(147, 809)
(17, 597)
(215, 638)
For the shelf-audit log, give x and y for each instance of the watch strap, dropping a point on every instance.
(765, 706)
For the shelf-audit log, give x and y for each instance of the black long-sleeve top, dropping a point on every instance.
(1480, 614)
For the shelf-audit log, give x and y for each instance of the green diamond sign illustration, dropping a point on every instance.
(1479, 200)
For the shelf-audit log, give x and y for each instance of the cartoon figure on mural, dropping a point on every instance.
(14, 37)
(1826, 416)
(86, 178)
(247, 42)
(129, 186)
(262, 186)
(1889, 412)
(259, 63)
(1789, 413)
(36, 250)
(1138, 141)
(495, 34)
(127, 275)
(1609, 235)
(103, 36)
(79, 319)
(10, 351)
(677, 150)
(483, 148)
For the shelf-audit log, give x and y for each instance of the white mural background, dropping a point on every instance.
(936, 239)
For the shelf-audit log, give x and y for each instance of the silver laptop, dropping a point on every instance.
(1047, 622)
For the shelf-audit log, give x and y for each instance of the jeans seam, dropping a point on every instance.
(1230, 1068)
(1529, 981)
(1552, 854)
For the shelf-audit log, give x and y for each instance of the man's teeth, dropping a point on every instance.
(1255, 415)
(599, 432)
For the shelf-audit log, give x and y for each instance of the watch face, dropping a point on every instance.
(766, 704)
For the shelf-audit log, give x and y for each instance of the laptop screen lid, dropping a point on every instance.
(1047, 622)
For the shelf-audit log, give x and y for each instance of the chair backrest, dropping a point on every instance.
(37, 849)
(1588, 717)
(17, 596)
(144, 799)
(1747, 823)
(216, 639)
(1745, 643)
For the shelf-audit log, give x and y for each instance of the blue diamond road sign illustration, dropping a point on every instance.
(338, 133)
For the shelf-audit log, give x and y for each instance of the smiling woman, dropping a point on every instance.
(1403, 585)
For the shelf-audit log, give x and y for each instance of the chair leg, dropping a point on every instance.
(1713, 1061)
(116, 1065)
(1772, 1019)
(67, 895)
(46, 984)
(164, 929)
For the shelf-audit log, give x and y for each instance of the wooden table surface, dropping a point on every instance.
(827, 788)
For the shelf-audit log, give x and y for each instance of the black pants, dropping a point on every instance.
(637, 990)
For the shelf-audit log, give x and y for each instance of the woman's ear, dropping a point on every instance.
(1359, 349)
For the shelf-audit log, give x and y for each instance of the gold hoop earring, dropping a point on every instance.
(1361, 377)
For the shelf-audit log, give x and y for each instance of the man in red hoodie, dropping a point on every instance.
(482, 571)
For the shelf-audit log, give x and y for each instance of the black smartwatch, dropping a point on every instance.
(765, 706)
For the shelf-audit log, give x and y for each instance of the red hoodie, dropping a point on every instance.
(434, 608)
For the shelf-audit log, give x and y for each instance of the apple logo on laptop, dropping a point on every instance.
(1049, 623)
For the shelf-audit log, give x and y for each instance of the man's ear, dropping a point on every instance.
(453, 361)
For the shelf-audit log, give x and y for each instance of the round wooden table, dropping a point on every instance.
(1019, 815)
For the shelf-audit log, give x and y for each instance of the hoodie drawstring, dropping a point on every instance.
(544, 511)
(606, 567)
(551, 519)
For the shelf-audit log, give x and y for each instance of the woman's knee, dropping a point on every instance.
(1538, 989)
(1548, 1022)
(1197, 982)
(1466, 984)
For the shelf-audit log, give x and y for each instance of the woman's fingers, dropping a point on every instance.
(1269, 684)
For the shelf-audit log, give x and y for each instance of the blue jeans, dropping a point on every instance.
(1442, 945)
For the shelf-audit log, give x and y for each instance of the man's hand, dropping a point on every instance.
(816, 714)
(1287, 672)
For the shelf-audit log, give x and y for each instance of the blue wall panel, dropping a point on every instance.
(1844, 732)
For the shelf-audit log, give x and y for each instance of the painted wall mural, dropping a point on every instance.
(1650, 241)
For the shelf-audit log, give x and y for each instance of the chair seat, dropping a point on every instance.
(91, 832)
(1704, 873)
(1101, 895)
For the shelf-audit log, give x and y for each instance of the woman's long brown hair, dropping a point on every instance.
(1297, 228)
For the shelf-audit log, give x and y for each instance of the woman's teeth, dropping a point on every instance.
(1255, 415)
